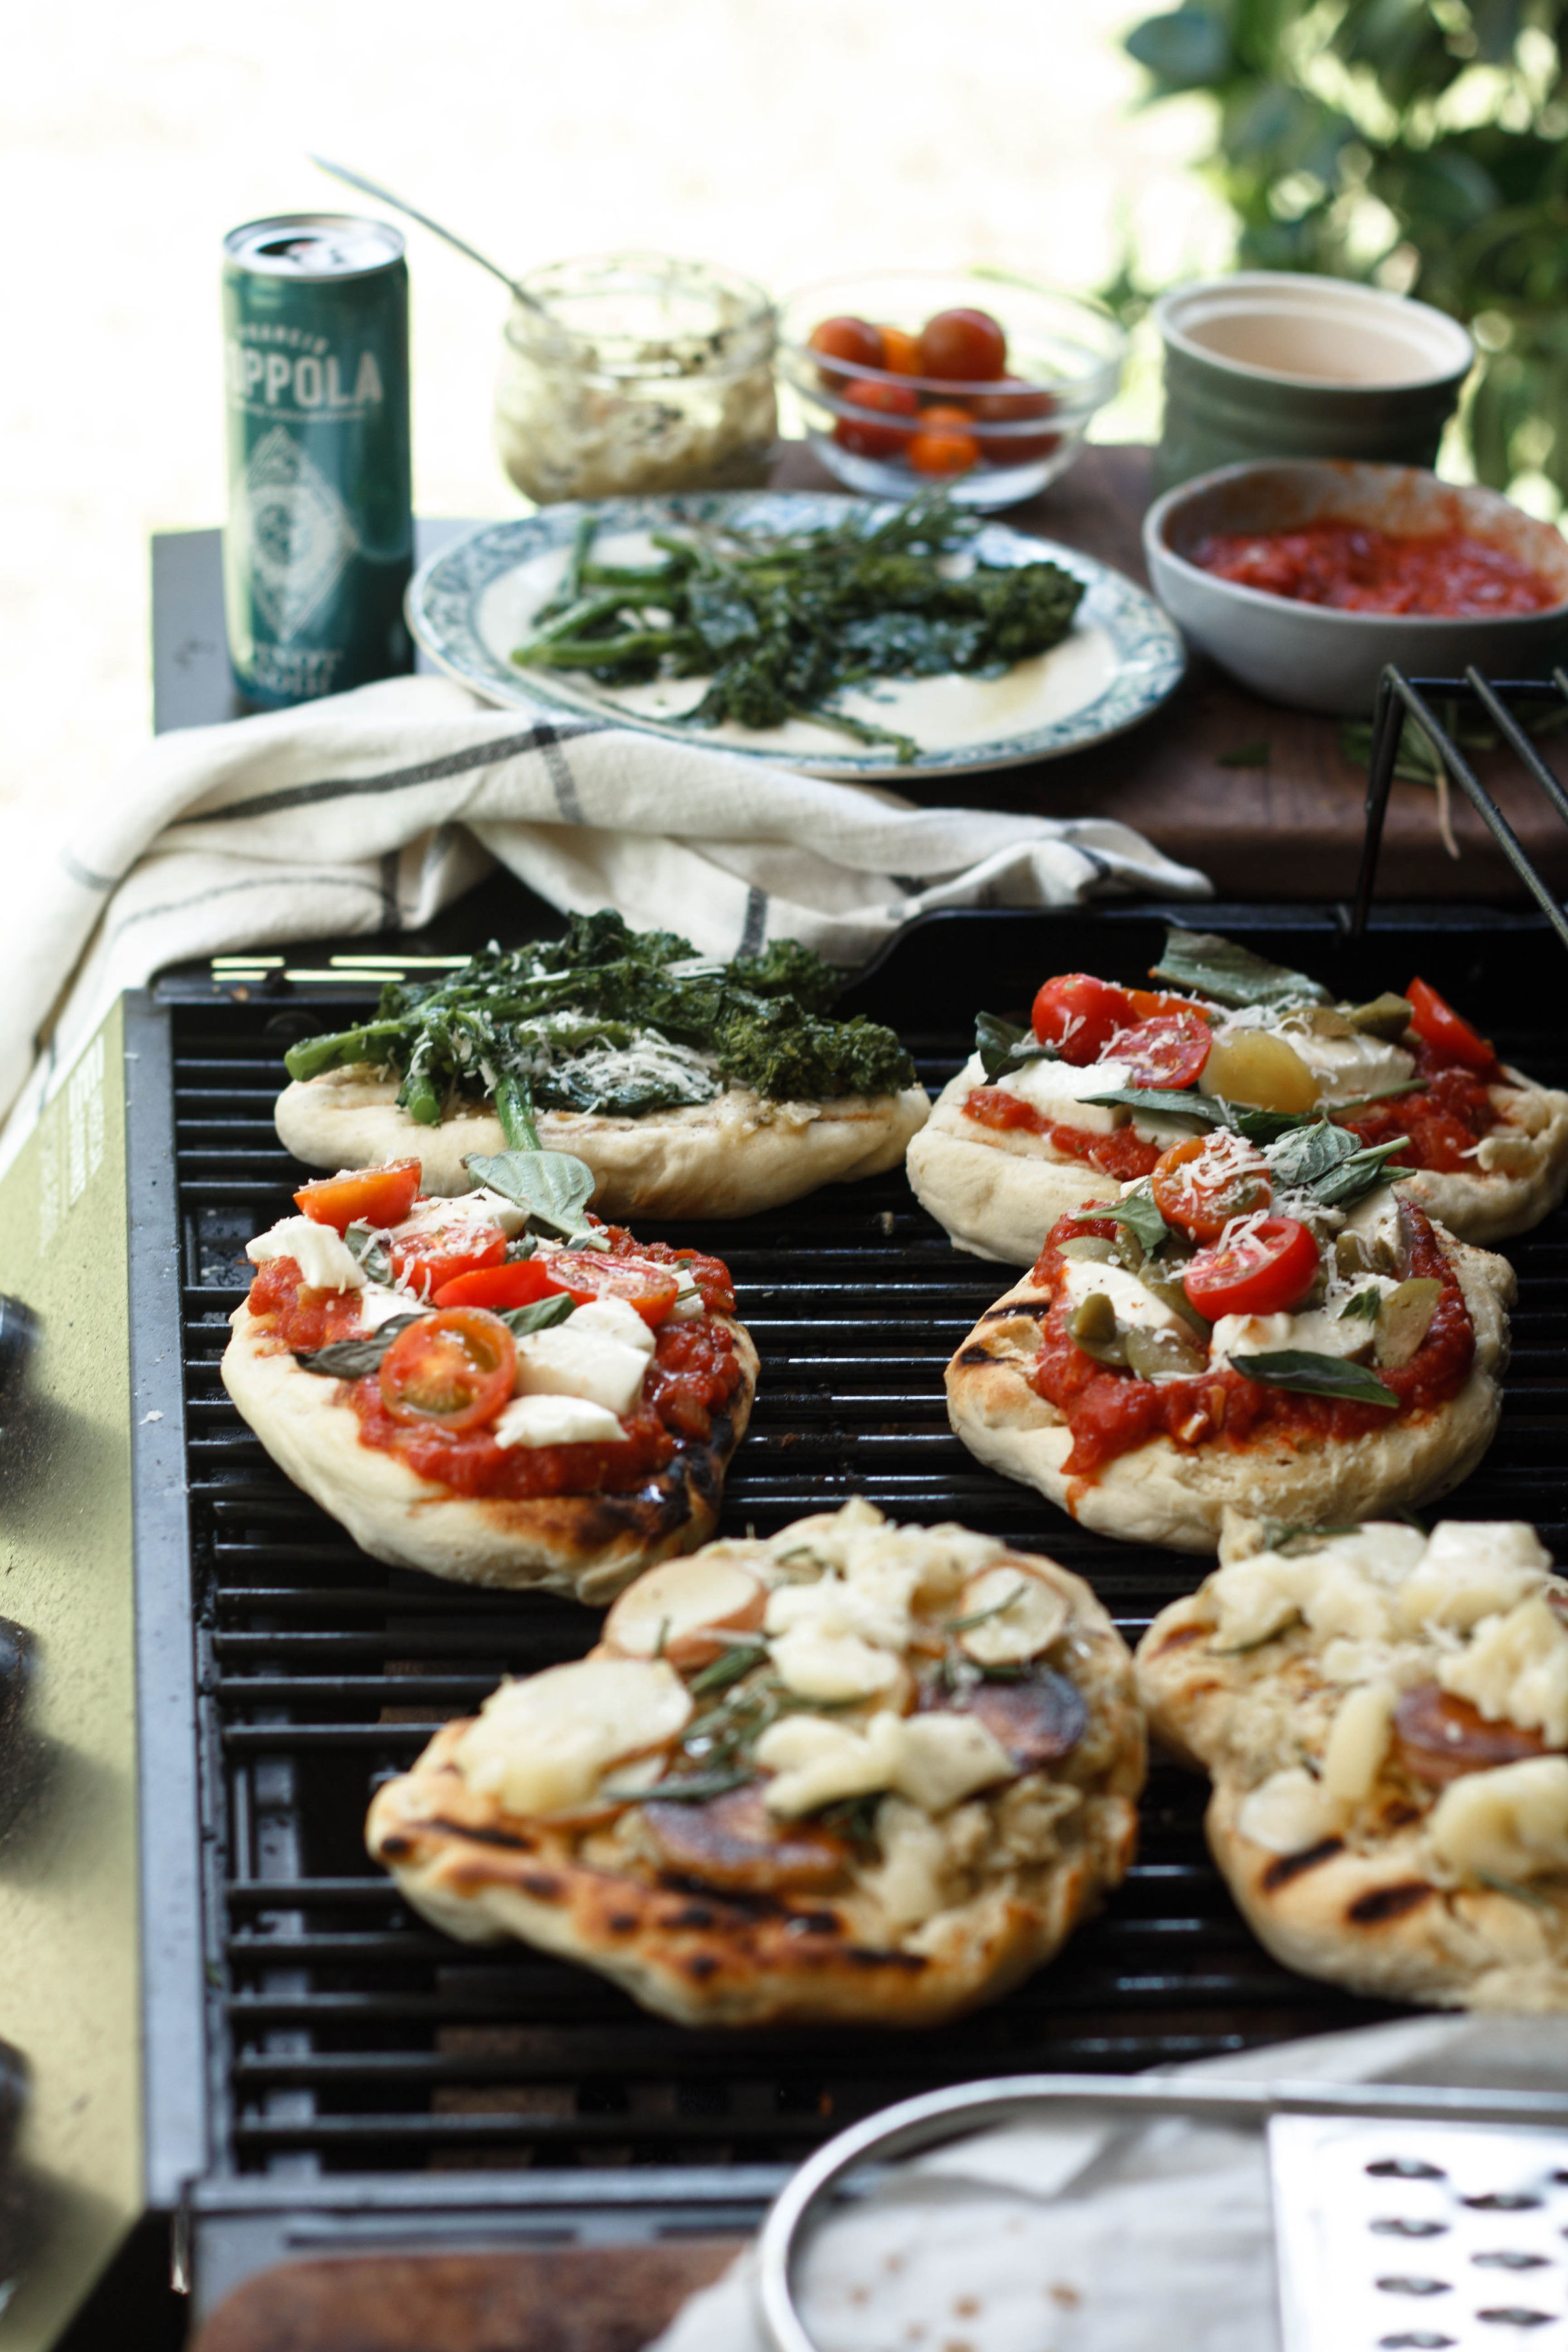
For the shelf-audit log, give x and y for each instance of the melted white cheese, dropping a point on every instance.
(553, 1420)
(1510, 1823)
(1471, 1570)
(1514, 1668)
(540, 1745)
(936, 1761)
(325, 1259)
(1059, 1092)
(567, 1361)
(1287, 1813)
(1136, 1308)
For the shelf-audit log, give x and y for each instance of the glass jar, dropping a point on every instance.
(637, 375)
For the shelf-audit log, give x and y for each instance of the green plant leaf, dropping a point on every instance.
(1366, 1306)
(1313, 1375)
(365, 1243)
(1136, 1211)
(1187, 48)
(1004, 1047)
(1231, 974)
(554, 1187)
(1330, 1163)
(538, 1315)
(353, 1359)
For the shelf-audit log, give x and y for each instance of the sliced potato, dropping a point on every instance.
(1019, 1615)
(686, 1610)
(1261, 1070)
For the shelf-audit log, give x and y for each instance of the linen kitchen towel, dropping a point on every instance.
(366, 812)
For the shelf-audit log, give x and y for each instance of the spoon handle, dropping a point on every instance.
(400, 204)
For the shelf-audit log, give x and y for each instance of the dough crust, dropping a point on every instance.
(585, 1546)
(706, 1957)
(1530, 1145)
(734, 1157)
(1162, 1493)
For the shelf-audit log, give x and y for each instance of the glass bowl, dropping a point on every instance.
(637, 375)
(1015, 433)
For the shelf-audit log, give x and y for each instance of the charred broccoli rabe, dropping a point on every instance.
(780, 626)
(613, 1020)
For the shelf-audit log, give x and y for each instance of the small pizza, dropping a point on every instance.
(1108, 1079)
(1263, 1324)
(855, 1773)
(483, 1400)
(1384, 1718)
(691, 1086)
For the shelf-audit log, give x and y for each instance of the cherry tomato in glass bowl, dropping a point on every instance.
(1267, 1269)
(497, 1286)
(587, 1275)
(371, 1196)
(1080, 1015)
(1199, 1188)
(854, 340)
(945, 443)
(455, 1368)
(860, 435)
(1446, 1031)
(1169, 1050)
(963, 347)
(1014, 403)
(901, 352)
(433, 1256)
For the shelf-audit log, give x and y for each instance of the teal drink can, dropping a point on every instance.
(319, 543)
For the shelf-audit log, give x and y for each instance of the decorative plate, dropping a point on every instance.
(472, 603)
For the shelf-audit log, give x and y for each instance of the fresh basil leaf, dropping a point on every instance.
(1179, 1102)
(522, 1247)
(1206, 965)
(1136, 1211)
(1003, 1047)
(353, 1360)
(1366, 1306)
(1307, 1156)
(554, 1187)
(1313, 1375)
(365, 1243)
(538, 1315)
(1359, 1173)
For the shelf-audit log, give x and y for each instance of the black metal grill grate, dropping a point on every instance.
(349, 2036)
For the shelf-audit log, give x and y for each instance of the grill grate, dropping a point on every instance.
(350, 2037)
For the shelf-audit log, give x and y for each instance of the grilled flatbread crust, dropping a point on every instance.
(998, 1191)
(1162, 1493)
(1369, 1916)
(704, 1957)
(734, 1157)
(586, 1546)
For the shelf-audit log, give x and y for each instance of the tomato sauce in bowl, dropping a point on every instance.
(1357, 568)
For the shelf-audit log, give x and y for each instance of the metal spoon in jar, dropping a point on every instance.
(385, 195)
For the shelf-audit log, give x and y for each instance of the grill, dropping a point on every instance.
(359, 2063)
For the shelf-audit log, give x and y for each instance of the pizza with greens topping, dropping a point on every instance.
(1384, 1718)
(1269, 1324)
(1106, 1080)
(690, 1085)
(857, 1772)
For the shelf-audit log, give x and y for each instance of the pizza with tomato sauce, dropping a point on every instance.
(1105, 1079)
(1384, 1718)
(476, 1392)
(856, 1773)
(1264, 1324)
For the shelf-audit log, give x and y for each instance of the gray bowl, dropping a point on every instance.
(1313, 657)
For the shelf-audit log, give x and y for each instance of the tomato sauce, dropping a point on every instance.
(1445, 1120)
(1110, 1413)
(693, 1372)
(1122, 1154)
(1355, 568)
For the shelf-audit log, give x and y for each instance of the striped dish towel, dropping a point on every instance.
(368, 812)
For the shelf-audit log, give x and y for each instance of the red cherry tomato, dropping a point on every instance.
(1079, 1013)
(587, 1275)
(1445, 1031)
(1014, 403)
(854, 340)
(456, 1368)
(1201, 1190)
(945, 443)
(433, 1255)
(901, 352)
(863, 438)
(1146, 1002)
(372, 1196)
(963, 347)
(1267, 1270)
(495, 1287)
(1168, 1051)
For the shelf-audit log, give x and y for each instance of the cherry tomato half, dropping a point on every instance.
(901, 352)
(372, 1196)
(1267, 1270)
(495, 1287)
(1079, 1013)
(963, 347)
(456, 1368)
(433, 1255)
(1446, 1031)
(854, 340)
(1168, 1051)
(1014, 403)
(587, 1275)
(1200, 1189)
(945, 443)
(865, 438)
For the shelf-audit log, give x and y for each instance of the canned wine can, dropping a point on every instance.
(319, 543)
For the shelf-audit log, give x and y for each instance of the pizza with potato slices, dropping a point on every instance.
(857, 1772)
(1108, 1080)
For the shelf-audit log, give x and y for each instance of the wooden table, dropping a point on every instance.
(1287, 829)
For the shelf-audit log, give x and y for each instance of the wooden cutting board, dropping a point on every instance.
(1288, 828)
